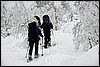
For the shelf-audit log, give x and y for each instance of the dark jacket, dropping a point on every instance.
(47, 26)
(33, 32)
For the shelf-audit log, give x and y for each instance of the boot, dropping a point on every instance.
(45, 46)
(30, 58)
(36, 56)
(49, 44)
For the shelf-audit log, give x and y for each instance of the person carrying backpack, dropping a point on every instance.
(33, 37)
(47, 26)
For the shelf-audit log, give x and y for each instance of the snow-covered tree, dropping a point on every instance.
(18, 19)
(41, 3)
(86, 32)
(68, 10)
(55, 11)
(44, 7)
(4, 20)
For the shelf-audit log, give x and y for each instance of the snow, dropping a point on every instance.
(13, 51)
(62, 54)
(90, 58)
(59, 60)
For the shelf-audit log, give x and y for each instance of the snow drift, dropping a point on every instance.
(90, 58)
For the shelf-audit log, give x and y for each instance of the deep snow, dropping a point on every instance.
(62, 54)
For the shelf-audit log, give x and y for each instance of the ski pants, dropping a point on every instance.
(47, 38)
(31, 44)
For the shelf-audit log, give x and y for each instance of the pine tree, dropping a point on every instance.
(18, 18)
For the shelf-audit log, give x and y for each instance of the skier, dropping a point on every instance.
(47, 26)
(33, 37)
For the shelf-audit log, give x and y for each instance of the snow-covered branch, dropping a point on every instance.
(89, 24)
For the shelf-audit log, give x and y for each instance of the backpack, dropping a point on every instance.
(32, 32)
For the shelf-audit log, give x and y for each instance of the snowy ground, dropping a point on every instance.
(63, 54)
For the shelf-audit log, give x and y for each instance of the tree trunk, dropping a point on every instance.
(90, 43)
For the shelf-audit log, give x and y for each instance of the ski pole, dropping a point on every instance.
(26, 52)
(53, 37)
(42, 47)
